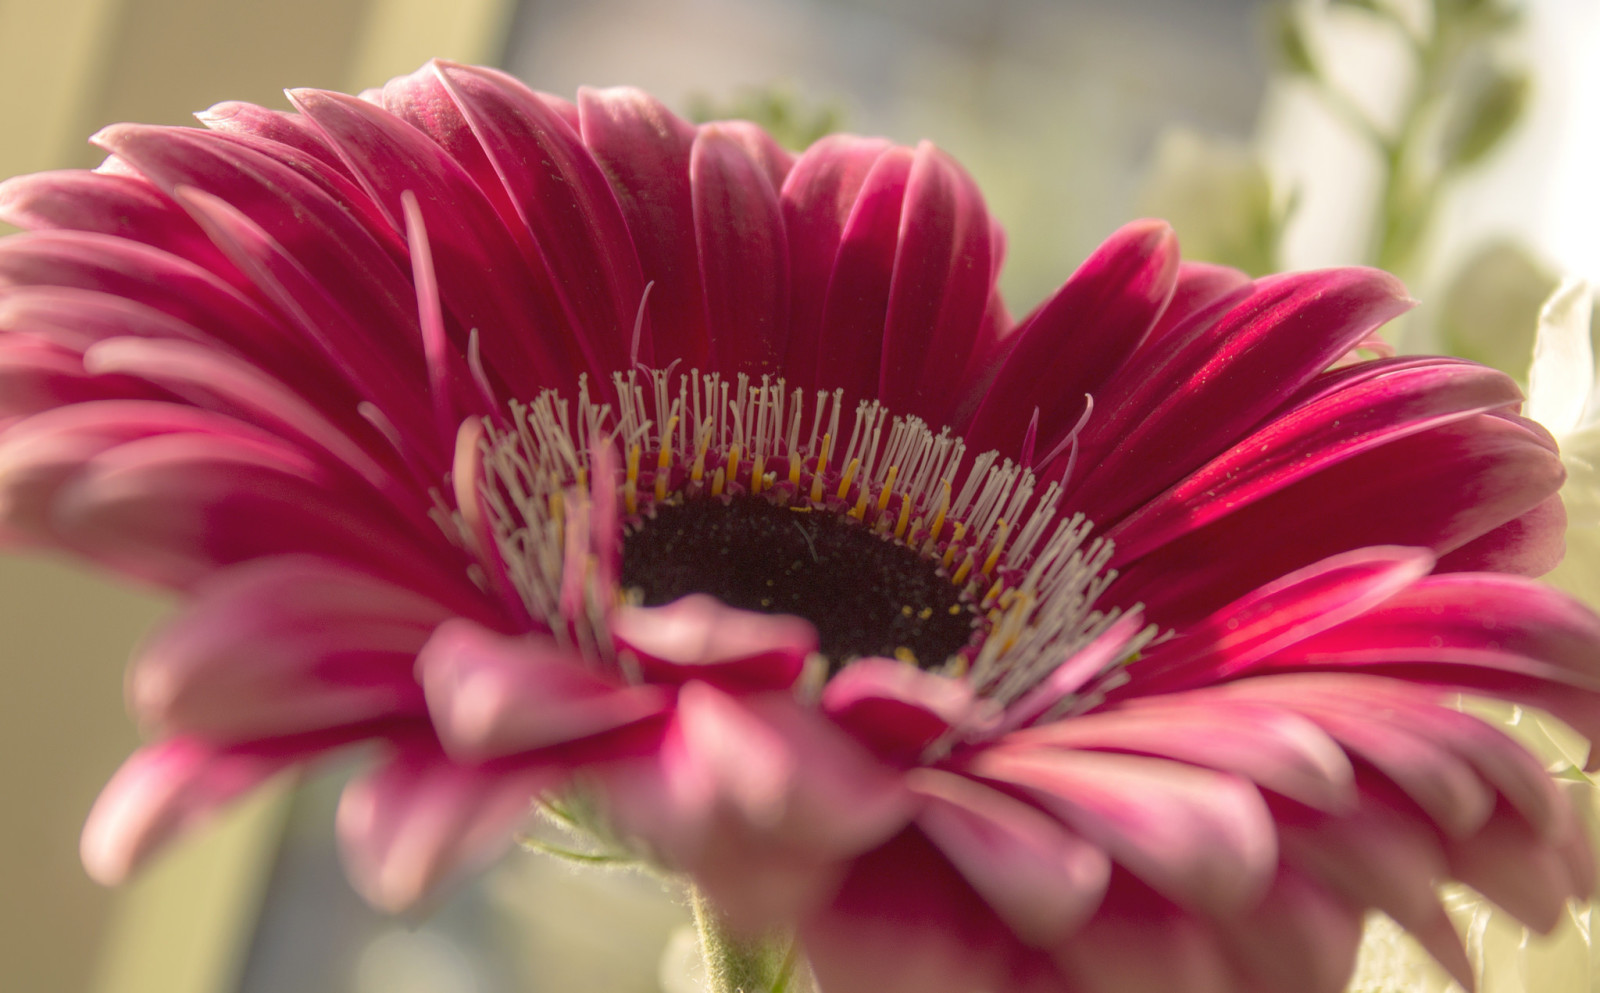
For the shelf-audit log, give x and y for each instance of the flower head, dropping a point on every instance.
(573, 447)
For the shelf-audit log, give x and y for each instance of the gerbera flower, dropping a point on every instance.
(562, 447)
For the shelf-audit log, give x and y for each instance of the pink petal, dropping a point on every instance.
(1271, 746)
(1043, 880)
(1379, 858)
(165, 283)
(850, 342)
(699, 637)
(490, 695)
(1301, 938)
(1203, 293)
(247, 120)
(282, 646)
(166, 789)
(1147, 949)
(1202, 838)
(419, 821)
(1529, 545)
(1372, 412)
(1277, 615)
(759, 799)
(905, 922)
(817, 199)
(645, 152)
(1159, 421)
(321, 234)
(943, 276)
(1507, 863)
(1438, 490)
(897, 709)
(323, 317)
(1078, 338)
(121, 206)
(744, 254)
(526, 339)
(175, 506)
(564, 200)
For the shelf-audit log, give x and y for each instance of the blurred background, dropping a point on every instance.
(1449, 140)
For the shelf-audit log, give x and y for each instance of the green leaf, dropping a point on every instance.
(1484, 110)
(778, 108)
(1289, 40)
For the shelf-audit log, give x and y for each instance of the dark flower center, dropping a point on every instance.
(866, 594)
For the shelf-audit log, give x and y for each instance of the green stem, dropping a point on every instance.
(741, 965)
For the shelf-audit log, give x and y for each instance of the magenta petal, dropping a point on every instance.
(1301, 938)
(1159, 421)
(246, 120)
(1502, 634)
(1382, 859)
(1510, 865)
(700, 637)
(645, 152)
(563, 199)
(1203, 293)
(1369, 413)
(418, 821)
(850, 342)
(122, 206)
(1203, 839)
(744, 254)
(817, 198)
(943, 276)
(1042, 879)
(1529, 545)
(906, 922)
(1147, 949)
(1079, 337)
(1438, 489)
(491, 695)
(173, 507)
(239, 389)
(524, 336)
(898, 709)
(282, 646)
(1295, 607)
(1271, 746)
(164, 790)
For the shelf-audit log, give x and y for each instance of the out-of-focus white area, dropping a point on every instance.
(1538, 189)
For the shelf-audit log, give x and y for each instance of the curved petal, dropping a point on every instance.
(418, 821)
(1438, 489)
(1371, 412)
(818, 196)
(1273, 747)
(898, 709)
(644, 150)
(282, 646)
(744, 255)
(1157, 422)
(564, 201)
(166, 789)
(943, 277)
(1079, 337)
(1042, 879)
(1202, 838)
(490, 695)
(701, 638)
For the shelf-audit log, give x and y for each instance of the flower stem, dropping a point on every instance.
(735, 964)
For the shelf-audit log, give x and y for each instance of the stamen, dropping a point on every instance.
(1029, 576)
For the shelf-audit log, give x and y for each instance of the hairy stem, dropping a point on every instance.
(736, 964)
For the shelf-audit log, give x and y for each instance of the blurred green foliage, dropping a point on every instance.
(778, 108)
